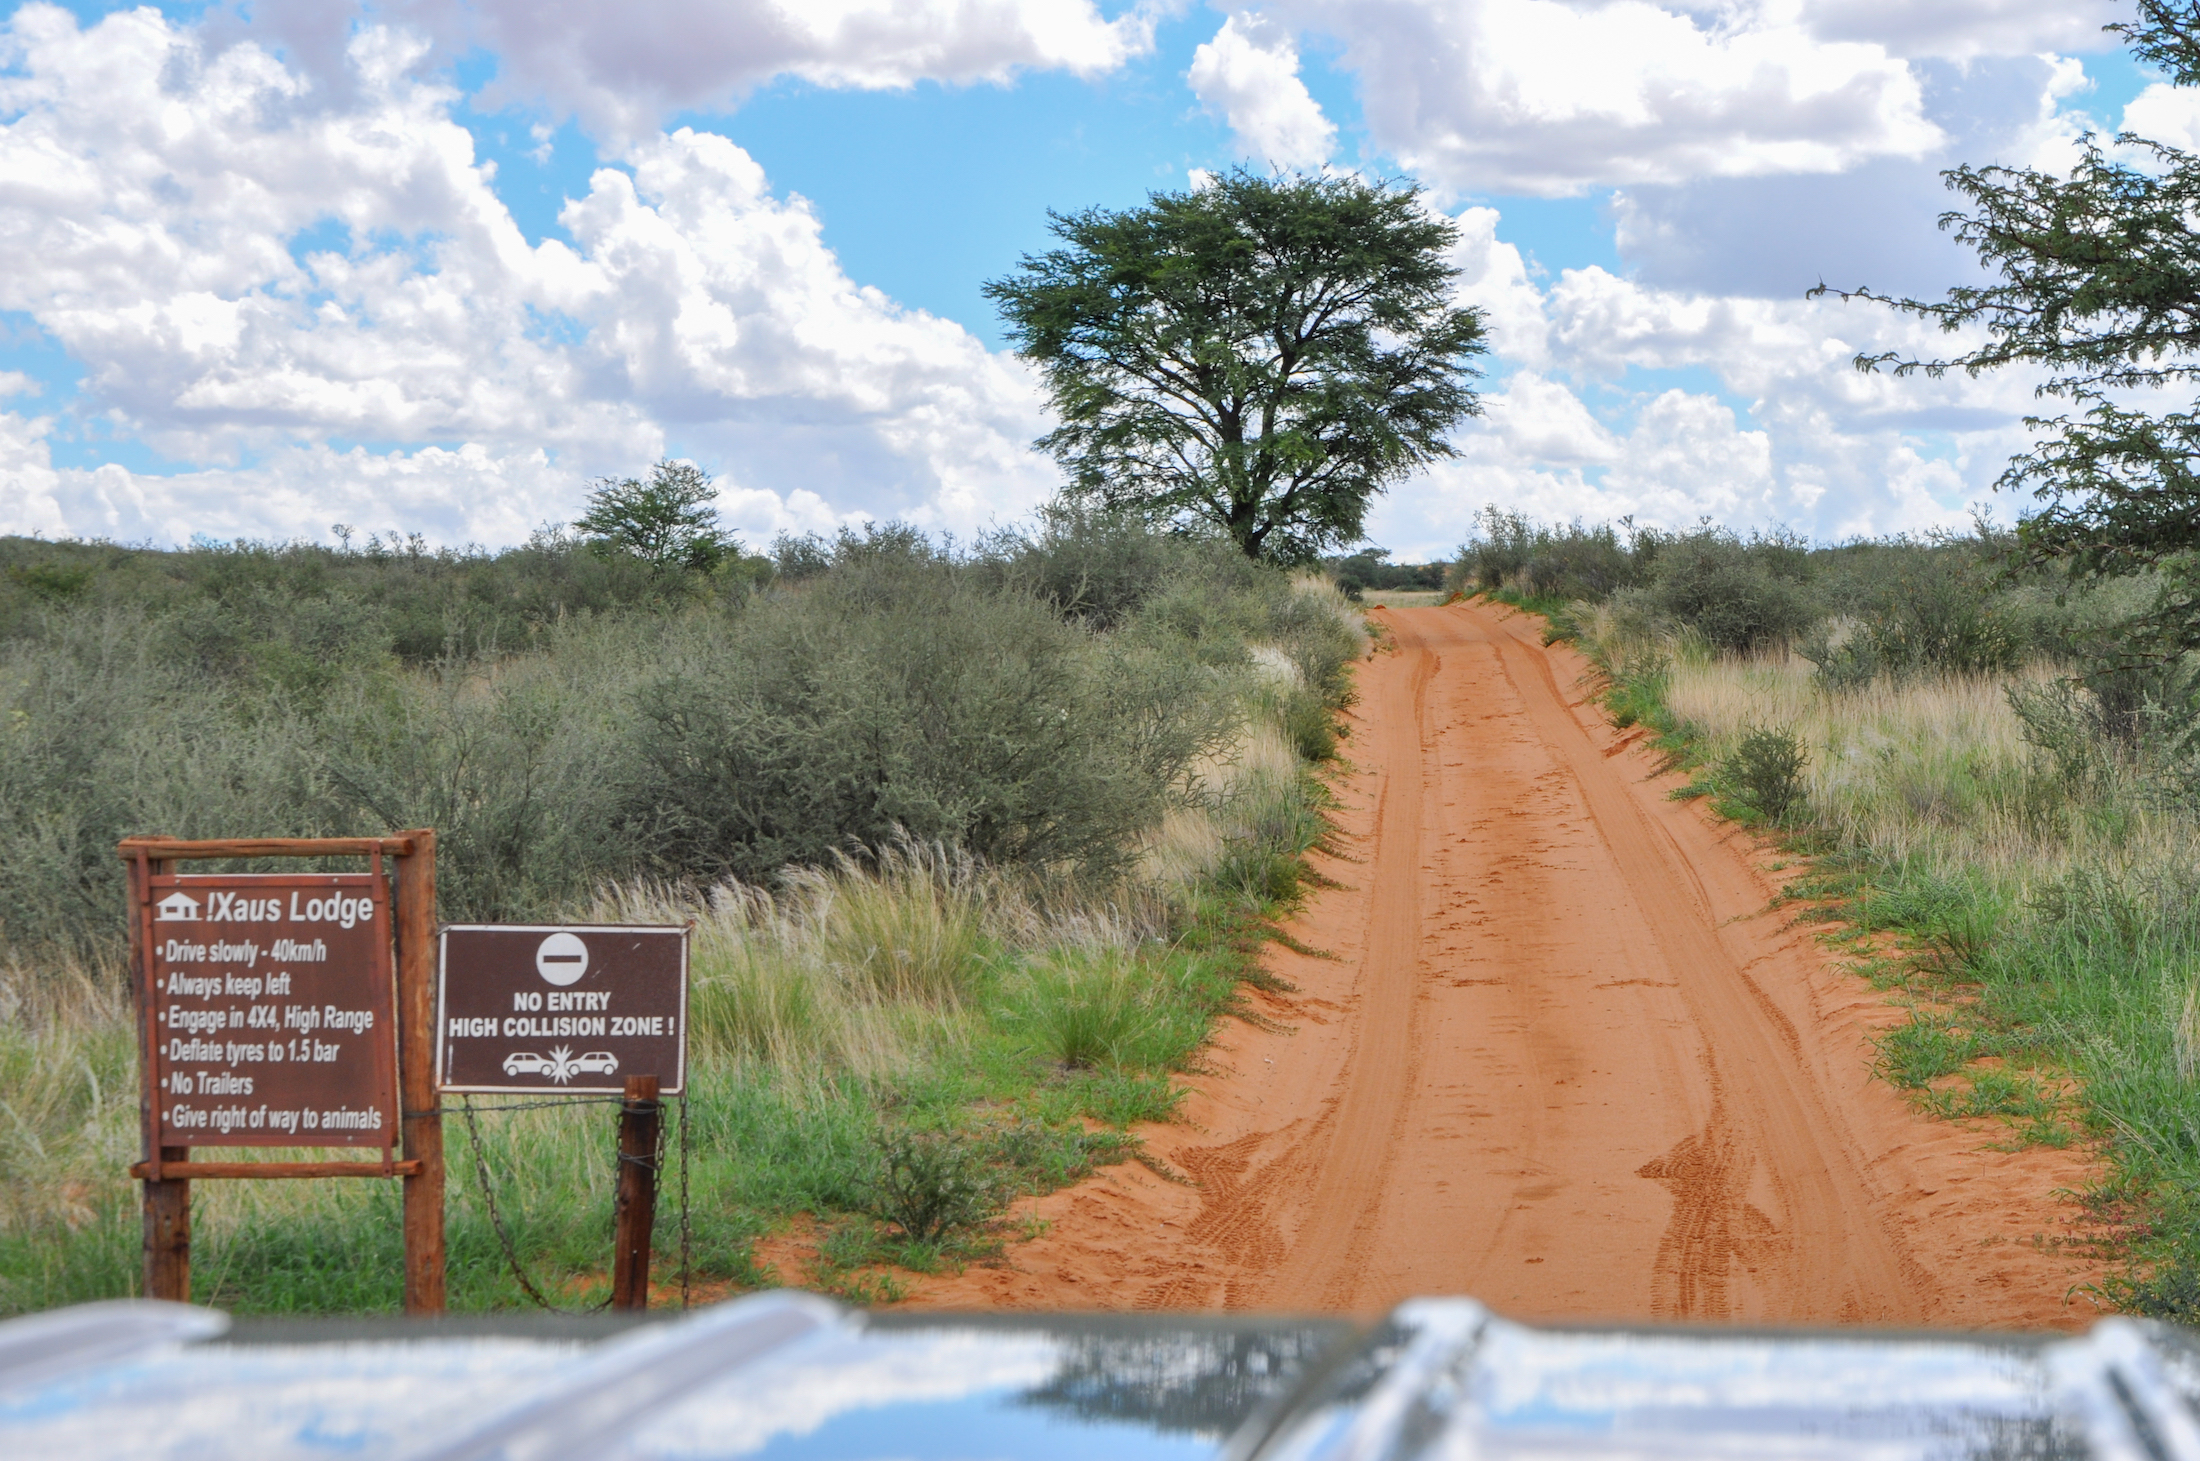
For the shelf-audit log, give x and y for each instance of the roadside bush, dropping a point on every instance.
(1740, 595)
(2145, 704)
(929, 1184)
(1944, 615)
(1766, 770)
(1948, 621)
(1098, 568)
(896, 694)
(1851, 662)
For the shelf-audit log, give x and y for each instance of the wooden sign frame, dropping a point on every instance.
(168, 1171)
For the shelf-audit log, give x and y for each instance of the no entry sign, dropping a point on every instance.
(272, 1009)
(561, 1008)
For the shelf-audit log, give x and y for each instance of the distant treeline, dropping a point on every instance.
(1861, 610)
(1372, 569)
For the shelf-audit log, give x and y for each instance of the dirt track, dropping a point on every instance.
(1563, 1060)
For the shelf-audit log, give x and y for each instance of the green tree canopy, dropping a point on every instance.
(2094, 277)
(668, 521)
(1263, 354)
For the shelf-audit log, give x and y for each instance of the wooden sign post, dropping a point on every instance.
(286, 1010)
(634, 1209)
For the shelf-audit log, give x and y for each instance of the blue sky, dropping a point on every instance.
(433, 266)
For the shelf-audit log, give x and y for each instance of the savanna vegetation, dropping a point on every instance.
(980, 842)
(1994, 796)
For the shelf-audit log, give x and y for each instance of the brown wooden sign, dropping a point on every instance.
(270, 1015)
(273, 1010)
(561, 1008)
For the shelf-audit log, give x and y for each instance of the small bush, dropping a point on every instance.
(1766, 770)
(1740, 595)
(2144, 704)
(1944, 617)
(1100, 568)
(1852, 664)
(898, 691)
(930, 1184)
(2170, 1290)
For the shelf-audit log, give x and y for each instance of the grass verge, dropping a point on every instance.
(2039, 923)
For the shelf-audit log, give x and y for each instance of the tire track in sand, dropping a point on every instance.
(1562, 1061)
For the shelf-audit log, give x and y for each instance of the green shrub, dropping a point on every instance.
(1098, 568)
(897, 694)
(2144, 703)
(1944, 616)
(1740, 595)
(1947, 619)
(929, 1184)
(1766, 770)
(1853, 664)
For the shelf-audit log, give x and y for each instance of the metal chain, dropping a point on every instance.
(534, 1105)
(686, 1228)
(496, 1219)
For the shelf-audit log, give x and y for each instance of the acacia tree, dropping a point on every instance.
(1265, 354)
(667, 522)
(2097, 279)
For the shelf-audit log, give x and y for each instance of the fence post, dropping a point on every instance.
(636, 1212)
(422, 1118)
(168, 1200)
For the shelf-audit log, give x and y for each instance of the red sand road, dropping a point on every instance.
(1563, 1060)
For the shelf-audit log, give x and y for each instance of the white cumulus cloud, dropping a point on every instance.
(622, 68)
(1546, 97)
(1611, 398)
(2164, 113)
(1961, 30)
(1249, 75)
(259, 273)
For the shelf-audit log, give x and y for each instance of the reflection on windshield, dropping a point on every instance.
(1205, 1382)
(1059, 1389)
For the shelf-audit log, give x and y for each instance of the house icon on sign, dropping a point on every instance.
(177, 907)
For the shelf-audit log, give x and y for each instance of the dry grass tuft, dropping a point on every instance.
(1930, 770)
(1230, 794)
(850, 971)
